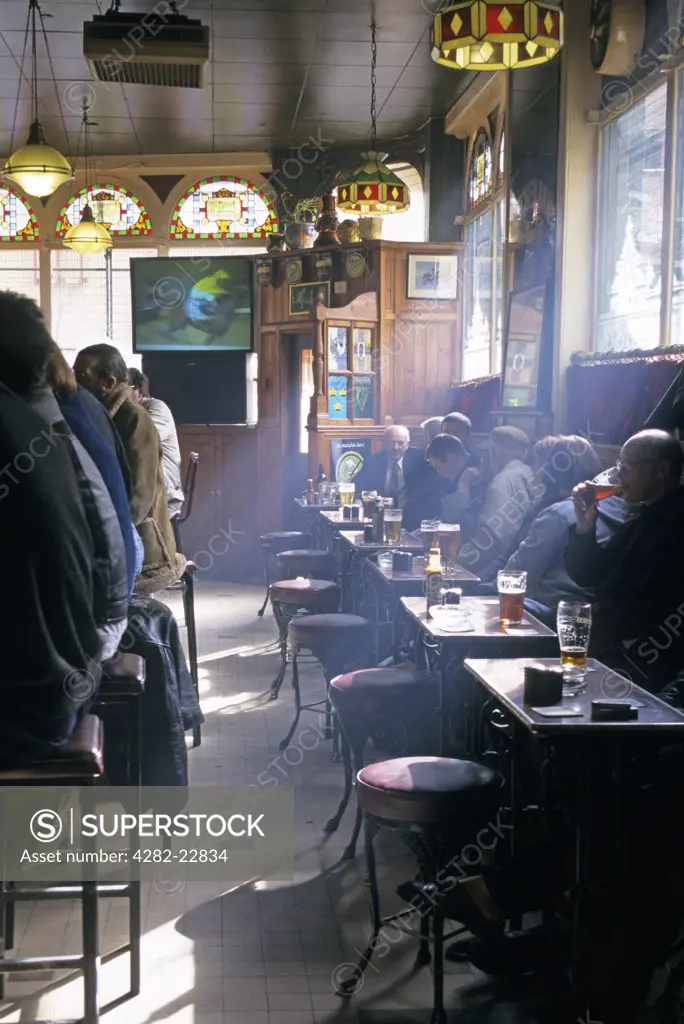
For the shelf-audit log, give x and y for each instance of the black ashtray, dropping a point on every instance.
(346, 511)
(355, 512)
(402, 561)
(368, 535)
(543, 685)
(452, 596)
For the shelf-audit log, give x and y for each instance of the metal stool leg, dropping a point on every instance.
(358, 763)
(438, 1012)
(334, 822)
(284, 744)
(91, 954)
(353, 983)
(267, 574)
(189, 612)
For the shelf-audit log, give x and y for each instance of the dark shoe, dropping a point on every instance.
(452, 903)
(516, 953)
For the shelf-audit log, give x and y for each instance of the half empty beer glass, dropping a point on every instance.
(347, 491)
(449, 544)
(392, 525)
(429, 534)
(573, 628)
(512, 586)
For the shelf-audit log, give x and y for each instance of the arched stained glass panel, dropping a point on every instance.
(18, 222)
(119, 210)
(223, 207)
(480, 172)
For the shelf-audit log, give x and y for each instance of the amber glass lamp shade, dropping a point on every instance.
(37, 168)
(373, 190)
(483, 35)
(88, 238)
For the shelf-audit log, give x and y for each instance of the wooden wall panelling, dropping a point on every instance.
(236, 547)
(203, 521)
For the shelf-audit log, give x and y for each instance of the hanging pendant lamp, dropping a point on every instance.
(373, 190)
(38, 169)
(487, 35)
(87, 238)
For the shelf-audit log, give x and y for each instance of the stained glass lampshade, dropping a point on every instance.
(88, 238)
(37, 168)
(484, 35)
(373, 190)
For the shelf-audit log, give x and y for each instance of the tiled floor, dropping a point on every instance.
(265, 953)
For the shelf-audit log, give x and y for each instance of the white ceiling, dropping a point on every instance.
(280, 71)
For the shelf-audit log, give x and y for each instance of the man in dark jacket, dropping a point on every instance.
(638, 619)
(49, 645)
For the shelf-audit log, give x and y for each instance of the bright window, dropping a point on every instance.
(20, 271)
(677, 330)
(79, 300)
(223, 207)
(631, 199)
(479, 241)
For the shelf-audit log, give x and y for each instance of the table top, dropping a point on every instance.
(337, 519)
(504, 679)
(484, 613)
(412, 583)
(315, 508)
(354, 539)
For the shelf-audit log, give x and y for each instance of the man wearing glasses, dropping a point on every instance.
(638, 577)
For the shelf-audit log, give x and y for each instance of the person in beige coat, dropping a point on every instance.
(102, 370)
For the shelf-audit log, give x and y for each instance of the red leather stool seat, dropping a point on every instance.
(122, 675)
(284, 540)
(424, 790)
(312, 563)
(334, 630)
(306, 593)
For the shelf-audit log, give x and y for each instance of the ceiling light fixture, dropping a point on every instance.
(487, 35)
(373, 190)
(87, 238)
(38, 169)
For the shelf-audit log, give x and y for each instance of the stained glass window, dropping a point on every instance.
(480, 174)
(17, 220)
(119, 210)
(223, 208)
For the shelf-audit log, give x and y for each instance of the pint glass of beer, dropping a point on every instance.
(368, 502)
(347, 493)
(573, 628)
(392, 525)
(449, 544)
(511, 586)
(603, 491)
(429, 529)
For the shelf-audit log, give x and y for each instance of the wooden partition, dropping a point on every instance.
(249, 476)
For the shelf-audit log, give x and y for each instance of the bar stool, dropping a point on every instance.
(396, 707)
(288, 599)
(78, 763)
(339, 642)
(437, 805)
(311, 564)
(273, 543)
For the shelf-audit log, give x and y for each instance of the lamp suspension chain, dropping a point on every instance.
(374, 61)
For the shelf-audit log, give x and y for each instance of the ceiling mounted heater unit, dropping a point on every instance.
(146, 49)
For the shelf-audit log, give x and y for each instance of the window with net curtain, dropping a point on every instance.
(631, 204)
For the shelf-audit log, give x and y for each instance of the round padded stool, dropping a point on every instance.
(271, 544)
(425, 799)
(338, 642)
(396, 707)
(288, 599)
(309, 563)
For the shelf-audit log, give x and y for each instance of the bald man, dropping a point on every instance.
(392, 472)
(638, 577)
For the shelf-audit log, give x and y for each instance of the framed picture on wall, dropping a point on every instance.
(524, 346)
(432, 277)
(303, 297)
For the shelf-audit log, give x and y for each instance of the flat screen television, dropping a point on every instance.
(191, 304)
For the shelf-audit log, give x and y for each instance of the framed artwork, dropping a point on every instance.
(432, 277)
(362, 349)
(337, 397)
(338, 338)
(523, 348)
(362, 404)
(302, 297)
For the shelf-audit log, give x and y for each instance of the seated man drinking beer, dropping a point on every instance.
(638, 618)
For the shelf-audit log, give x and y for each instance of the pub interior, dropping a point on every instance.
(341, 389)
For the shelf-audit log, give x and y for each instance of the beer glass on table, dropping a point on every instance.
(392, 525)
(347, 491)
(512, 586)
(573, 626)
(429, 534)
(449, 544)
